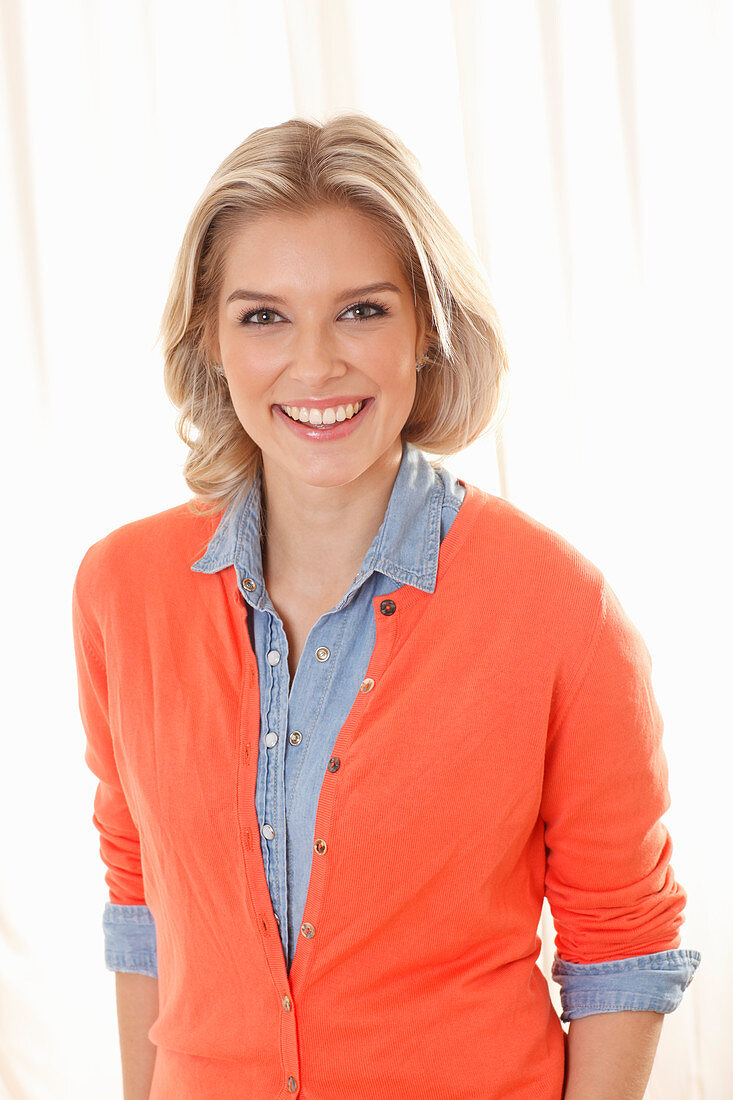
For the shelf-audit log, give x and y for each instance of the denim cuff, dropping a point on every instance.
(129, 939)
(652, 983)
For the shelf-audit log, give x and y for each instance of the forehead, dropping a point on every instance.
(330, 241)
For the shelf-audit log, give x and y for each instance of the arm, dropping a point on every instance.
(628, 999)
(610, 1055)
(129, 929)
(137, 1008)
(616, 905)
(130, 949)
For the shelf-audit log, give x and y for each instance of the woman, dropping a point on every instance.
(352, 717)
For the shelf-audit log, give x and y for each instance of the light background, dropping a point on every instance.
(584, 150)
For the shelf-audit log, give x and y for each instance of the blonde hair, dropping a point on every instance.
(298, 166)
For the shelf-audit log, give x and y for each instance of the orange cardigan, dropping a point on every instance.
(520, 677)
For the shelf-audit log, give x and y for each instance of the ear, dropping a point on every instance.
(425, 338)
(420, 341)
(211, 349)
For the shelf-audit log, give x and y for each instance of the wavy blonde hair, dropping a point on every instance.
(298, 166)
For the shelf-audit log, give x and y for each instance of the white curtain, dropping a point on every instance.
(584, 149)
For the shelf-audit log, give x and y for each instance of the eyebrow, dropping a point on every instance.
(355, 292)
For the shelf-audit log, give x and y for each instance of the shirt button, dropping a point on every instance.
(366, 685)
(249, 584)
(388, 607)
(273, 657)
(268, 831)
(323, 653)
(295, 737)
(277, 918)
(307, 930)
(271, 740)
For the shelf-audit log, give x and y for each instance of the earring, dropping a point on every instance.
(220, 370)
(420, 363)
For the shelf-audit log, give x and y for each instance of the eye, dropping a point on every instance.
(379, 311)
(260, 311)
(246, 318)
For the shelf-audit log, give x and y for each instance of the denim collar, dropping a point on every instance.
(405, 547)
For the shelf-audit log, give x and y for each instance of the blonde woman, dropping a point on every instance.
(352, 717)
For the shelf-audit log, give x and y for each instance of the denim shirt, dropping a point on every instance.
(299, 723)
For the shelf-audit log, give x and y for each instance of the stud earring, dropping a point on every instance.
(420, 363)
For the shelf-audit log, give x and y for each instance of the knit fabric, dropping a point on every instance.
(417, 955)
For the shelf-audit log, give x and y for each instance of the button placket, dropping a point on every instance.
(273, 719)
(386, 632)
(256, 854)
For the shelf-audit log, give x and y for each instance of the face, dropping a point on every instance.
(298, 330)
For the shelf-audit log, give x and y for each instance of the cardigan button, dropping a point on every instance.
(286, 1003)
(292, 1084)
(366, 685)
(249, 584)
(320, 846)
(388, 607)
(334, 764)
(307, 930)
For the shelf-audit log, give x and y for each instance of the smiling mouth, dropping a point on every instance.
(323, 418)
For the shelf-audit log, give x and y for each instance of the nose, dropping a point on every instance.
(314, 361)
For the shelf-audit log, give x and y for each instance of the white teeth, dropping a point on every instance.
(322, 416)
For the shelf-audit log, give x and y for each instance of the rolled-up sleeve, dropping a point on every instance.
(608, 878)
(129, 939)
(652, 983)
(119, 841)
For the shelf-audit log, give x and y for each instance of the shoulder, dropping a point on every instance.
(524, 574)
(524, 577)
(143, 553)
(513, 540)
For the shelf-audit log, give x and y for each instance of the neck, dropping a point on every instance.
(316, 536)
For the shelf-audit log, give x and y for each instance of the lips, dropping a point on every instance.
(336, 431)
(327, 402)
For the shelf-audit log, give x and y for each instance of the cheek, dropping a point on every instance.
(397, 381)
(251, 374)
(390, 365)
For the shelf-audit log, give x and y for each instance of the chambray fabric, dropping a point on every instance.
(653, 983)
(425, 500)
